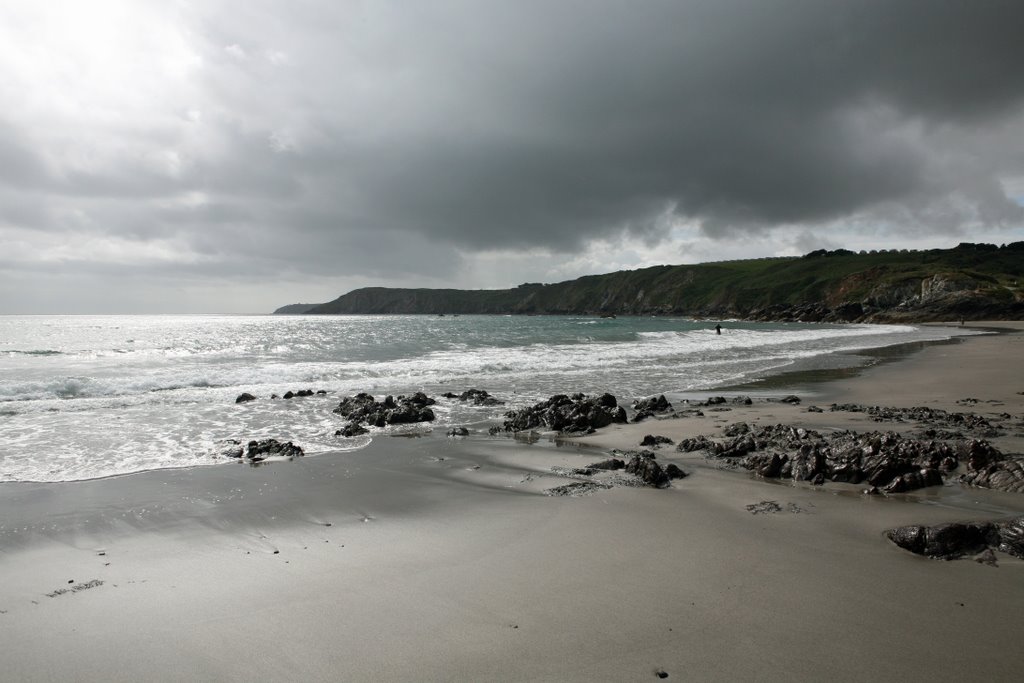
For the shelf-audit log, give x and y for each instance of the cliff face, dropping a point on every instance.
(970, 281)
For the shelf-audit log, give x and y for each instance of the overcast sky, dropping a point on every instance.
(235, 156)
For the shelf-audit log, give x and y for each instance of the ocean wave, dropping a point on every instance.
(37, 352)
(103, 406)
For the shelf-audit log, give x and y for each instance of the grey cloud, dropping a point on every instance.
(401, 139)
(558, 130)
(20, 165)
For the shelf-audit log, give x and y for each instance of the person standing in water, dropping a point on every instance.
(718, 329)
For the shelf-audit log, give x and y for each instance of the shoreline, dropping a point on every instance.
(430, 558)
(823, 367)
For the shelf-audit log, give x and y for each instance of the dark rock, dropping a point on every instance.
(988, 468)
(351, 429)
(945, 541)
(1011, 537)
(742, 401)
(736, 428)
(265, 448)
(950, 422)
(656, 440)
(879, 458)
(772, 467)
(914, 480)
(458, 431)
(575, 471)
(321, 392)
(698, 443)
(978, 454)
(231, 448)
(352, 404)
(814, 409)
(242, 398)
(477, 397)
(674, 472)
(648, 470)
(764, 507)
(576, 489)
(1006, 475)
(818, 479)
(403, 410)
(737, 447)
(714, 401)
(791, 399)
(288, 394)
(848, 311)
(562, 413)
(610, 464)
(304, 392)
(649, 407)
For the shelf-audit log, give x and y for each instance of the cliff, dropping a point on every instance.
(971, 281)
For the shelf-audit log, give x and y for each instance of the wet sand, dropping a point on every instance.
(420, 559)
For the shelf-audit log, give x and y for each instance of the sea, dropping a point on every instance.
(91, 396)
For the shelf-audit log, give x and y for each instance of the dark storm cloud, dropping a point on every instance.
(750, 112)
(556, 123)
(368, 138)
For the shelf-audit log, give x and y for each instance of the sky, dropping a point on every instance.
(233, 156)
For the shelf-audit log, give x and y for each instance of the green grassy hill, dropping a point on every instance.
(971, 281)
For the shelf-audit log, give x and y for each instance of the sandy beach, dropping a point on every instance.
(437, 559)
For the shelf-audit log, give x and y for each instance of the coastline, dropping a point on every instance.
(439, 559)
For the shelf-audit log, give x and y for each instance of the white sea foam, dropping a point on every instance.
(84, 397)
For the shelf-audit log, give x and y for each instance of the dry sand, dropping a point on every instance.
(457, 569)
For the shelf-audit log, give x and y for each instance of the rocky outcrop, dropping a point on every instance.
(265, 448)
(674, 471)
(988, 468)
(577, 413)
(697, 443)
(656, 441)
(952, 541)
(815, 312)
(935, 417)
(646, 467)
(576, 489)
(1007, 475)
(477, 397)
(609, 464)
(362, 408)
(245, 398)
(301, 393)
(351, 429)
(890, 461)
(649, 407)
